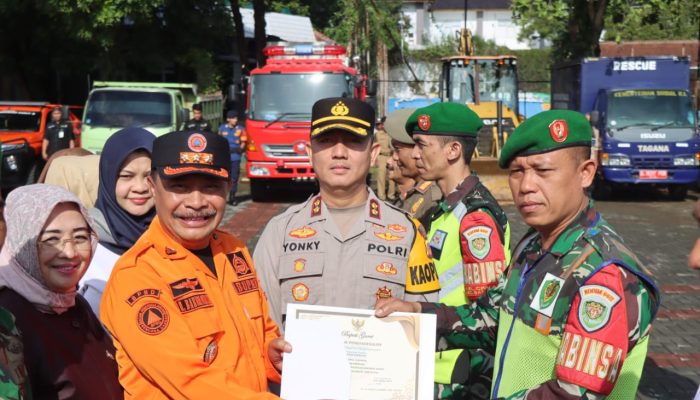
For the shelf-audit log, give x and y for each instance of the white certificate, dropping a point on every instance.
(347, 353)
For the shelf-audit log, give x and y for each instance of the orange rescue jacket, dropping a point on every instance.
(183, 333)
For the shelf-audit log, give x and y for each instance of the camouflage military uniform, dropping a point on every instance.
(568, 323)
(13, 373)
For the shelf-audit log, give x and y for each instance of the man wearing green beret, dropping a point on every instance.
(469, 233)
(422, 196)
(572, 319)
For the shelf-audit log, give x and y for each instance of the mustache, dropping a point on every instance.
(195, 214)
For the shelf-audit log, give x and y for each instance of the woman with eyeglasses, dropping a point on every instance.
(124, 206)
(50, 241)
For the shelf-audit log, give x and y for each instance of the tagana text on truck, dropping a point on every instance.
(644, 113)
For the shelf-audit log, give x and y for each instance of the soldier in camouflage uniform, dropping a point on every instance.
(572, 318)
(423, 196)
(13, 373)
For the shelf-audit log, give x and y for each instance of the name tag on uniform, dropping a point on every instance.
(61, 134)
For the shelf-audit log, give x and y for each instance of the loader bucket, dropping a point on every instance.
(494, 178)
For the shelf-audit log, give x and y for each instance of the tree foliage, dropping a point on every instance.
(575, 26)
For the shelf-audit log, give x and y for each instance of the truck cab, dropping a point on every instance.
(157, 107)
(280, 97)
(643, 112)
(22, 128)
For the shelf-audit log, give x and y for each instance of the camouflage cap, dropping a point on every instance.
(395, 125)
(545, 132)
(444, 119)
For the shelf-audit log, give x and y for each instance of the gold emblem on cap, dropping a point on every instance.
(340, 109)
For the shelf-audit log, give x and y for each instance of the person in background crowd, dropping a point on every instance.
(384, 191)
(236, 137)
(124, 206)
(78, 174)
(572, 318)
(59, 134)
(183, 305)
(424, 196)
(344, 233)
(50, 241)
(197, 122)
(403, 183)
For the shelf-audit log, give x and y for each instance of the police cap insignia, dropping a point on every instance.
(342, 114)
(153, 319)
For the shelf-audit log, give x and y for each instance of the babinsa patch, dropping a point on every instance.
(596, 306)
(141, 293)
(479, 240)
(240, 265)
(185, 286)
(153, 319)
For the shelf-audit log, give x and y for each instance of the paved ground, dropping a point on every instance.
(660, 231)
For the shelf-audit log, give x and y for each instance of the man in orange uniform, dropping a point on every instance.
(183, 305)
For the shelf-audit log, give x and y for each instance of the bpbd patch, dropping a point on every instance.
(239, 263)
(153, 319)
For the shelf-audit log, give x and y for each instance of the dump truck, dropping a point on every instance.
(157, 107)
(280, 96)
(22, 128)
(644, 114)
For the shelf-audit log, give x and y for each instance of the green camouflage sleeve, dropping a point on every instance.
(13, 372)
(470, 326)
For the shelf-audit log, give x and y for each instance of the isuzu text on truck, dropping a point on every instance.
(644, 113)
(280, 97)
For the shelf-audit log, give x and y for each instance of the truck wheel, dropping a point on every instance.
(677, 192)
(258, 189)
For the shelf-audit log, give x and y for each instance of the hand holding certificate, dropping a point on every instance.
(343, 353)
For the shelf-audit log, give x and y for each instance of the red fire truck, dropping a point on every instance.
(280, 97)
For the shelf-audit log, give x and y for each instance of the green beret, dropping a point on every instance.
(445, 119)
(546, 131)
(395, 125)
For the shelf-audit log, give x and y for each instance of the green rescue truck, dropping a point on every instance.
(157, 107)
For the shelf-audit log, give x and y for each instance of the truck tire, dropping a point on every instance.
(258, 189)
(677, 192)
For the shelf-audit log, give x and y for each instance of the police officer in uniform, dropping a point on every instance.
(385, 190)
(423, 196)
(197, 122)
(184, 301)
(236, 137)
(469, 232)
(58, 135)
(572, 318)
(343, 247)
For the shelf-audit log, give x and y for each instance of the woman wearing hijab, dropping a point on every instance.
(124, 206)
(50, 241)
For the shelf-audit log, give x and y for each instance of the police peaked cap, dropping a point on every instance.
(344, 114)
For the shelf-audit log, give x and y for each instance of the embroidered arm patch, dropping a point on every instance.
(482, 253)
(595, 341)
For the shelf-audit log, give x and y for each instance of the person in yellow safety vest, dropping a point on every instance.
(469, 235)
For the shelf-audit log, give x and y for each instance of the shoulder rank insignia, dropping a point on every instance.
(374, 210)
(316, 207)
(423, 187)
